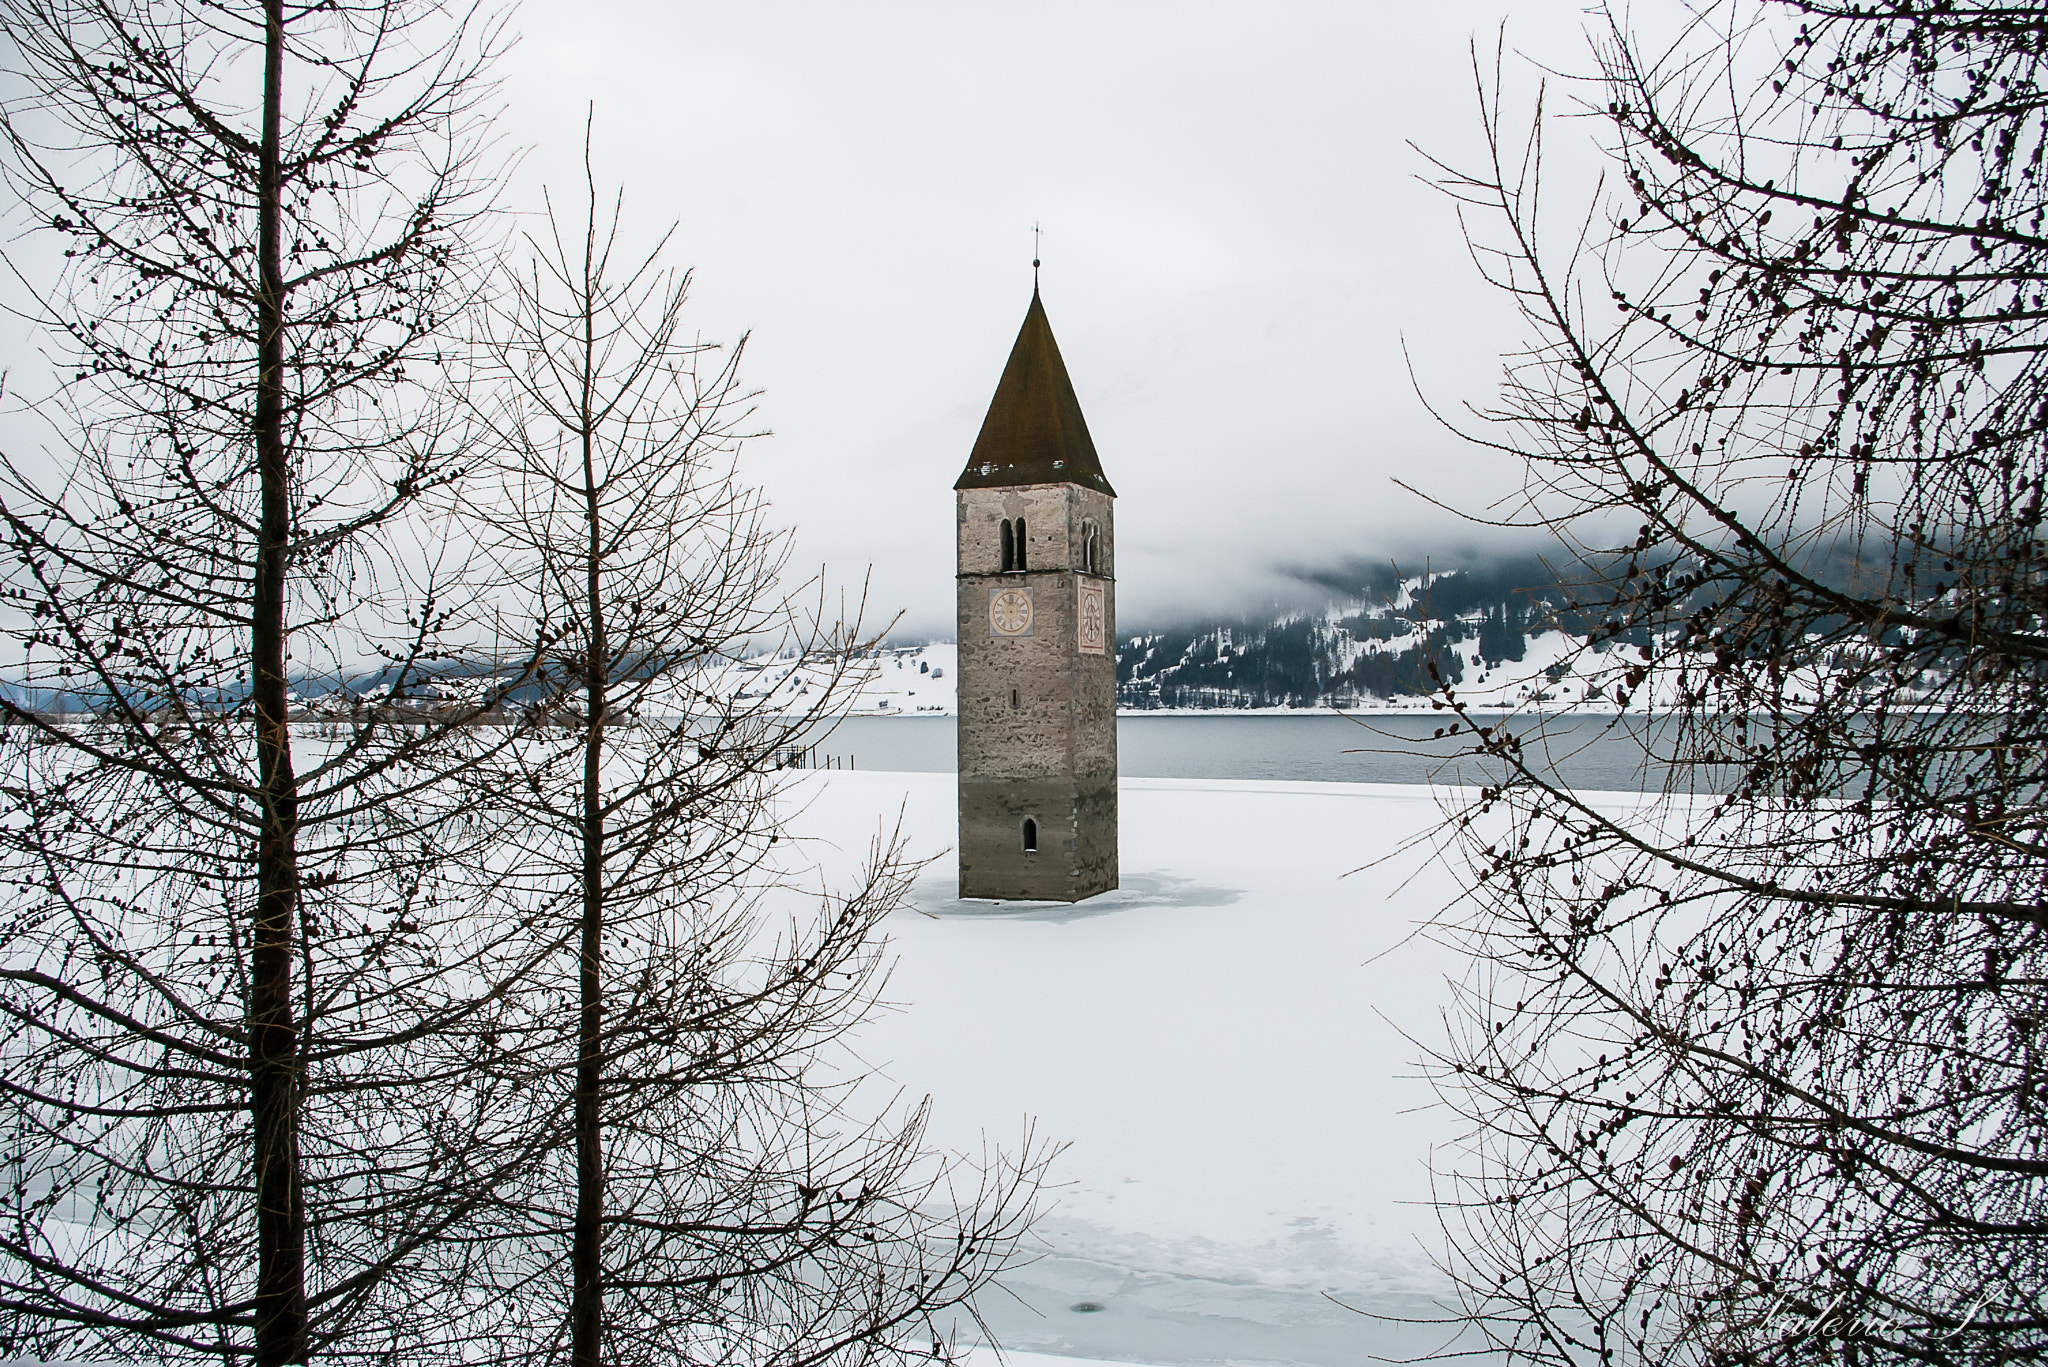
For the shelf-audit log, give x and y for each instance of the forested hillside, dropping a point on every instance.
(1376, 639)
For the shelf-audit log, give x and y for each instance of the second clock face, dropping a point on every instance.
(1094, 621)
(1009, 612)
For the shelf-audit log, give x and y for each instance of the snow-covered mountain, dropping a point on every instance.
(1502, 634)
(1488, 631)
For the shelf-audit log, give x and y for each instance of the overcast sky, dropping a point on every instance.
(1236, 246)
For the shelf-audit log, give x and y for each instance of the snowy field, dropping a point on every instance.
(1220, 1044)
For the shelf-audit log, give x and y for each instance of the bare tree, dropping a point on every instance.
(1757, 1066)
(719, 1193)
(245, 1107)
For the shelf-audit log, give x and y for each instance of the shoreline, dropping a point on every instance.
(1375, 710)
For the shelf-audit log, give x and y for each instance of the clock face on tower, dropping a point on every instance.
(1093, 624)
(1009, 612)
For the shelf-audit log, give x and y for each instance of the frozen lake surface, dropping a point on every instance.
(1223, 1044)
(1592, 751)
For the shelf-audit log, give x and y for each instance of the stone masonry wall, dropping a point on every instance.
(1051, 755)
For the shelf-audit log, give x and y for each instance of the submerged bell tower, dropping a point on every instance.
(1036, 575)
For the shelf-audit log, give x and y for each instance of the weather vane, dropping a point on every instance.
(1034, 257)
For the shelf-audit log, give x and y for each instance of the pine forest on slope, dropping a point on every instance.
(1376, 639)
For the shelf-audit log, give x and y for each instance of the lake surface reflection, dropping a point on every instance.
(1588, 752)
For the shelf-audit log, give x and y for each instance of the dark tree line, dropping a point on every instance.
(1307, 662)
(1759, 1077)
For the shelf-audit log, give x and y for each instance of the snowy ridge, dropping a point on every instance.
(920, 680)
(1506, 639)
(1502, 646)
(1503, 637)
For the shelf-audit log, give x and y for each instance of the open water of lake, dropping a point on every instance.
(1585, 752)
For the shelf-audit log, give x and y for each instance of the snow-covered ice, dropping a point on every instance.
(1220, 1043)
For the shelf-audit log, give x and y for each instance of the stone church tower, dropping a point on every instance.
(1037, 622)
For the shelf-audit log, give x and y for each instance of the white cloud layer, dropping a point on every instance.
(1237, 245)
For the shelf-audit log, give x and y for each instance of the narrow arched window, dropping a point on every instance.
(1020, 544)
(1030, 836)
(1009, 548)
(1013, 700)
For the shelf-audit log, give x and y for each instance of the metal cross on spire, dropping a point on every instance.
(1034, 258)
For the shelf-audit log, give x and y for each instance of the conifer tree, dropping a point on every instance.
(243, 1111)
(1756, 1067)
(712, 1190)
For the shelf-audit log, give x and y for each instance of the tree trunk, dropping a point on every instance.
(273, 1044)
(587, 1311)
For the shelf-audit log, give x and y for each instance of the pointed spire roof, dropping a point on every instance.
(1034, 432)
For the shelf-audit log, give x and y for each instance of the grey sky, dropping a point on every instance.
(1235, 246)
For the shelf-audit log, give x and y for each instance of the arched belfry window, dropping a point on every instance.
(1030, 836)
(1091, 548)
(1009, 548)
(1020, 544)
